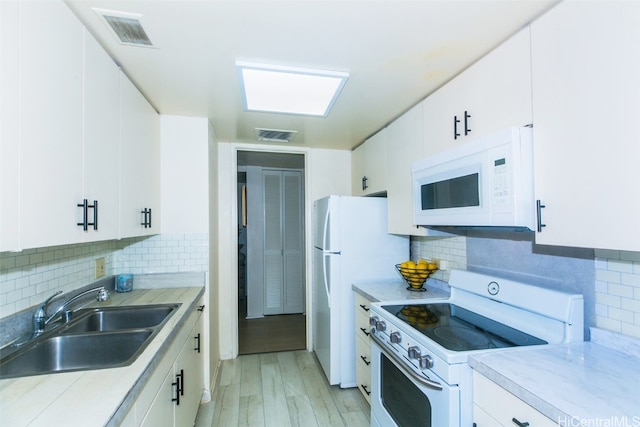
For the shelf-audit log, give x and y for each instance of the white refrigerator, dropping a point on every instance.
(351, 245)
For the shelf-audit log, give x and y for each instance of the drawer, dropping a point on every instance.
(363, 351)
(498, 403)
(363, 378)
(362, 304)
(362, 326)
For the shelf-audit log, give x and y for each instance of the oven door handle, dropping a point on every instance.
(401, 363)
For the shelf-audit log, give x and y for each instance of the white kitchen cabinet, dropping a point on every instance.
(404, 146)
(586, 104)
(9, 131)
(369, 166)
(139, 163)
(495, 406)
(492, 94)
(363, 346)
(176, 400)
(50, 124)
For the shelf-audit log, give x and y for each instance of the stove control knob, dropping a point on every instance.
(395, 337)
(373, 320)
(426, 362)
(381, 326)
(414, 352)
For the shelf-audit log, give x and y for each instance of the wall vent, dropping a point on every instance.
(276, 135)
(126, 27)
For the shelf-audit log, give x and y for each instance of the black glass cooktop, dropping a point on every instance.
(458, 329)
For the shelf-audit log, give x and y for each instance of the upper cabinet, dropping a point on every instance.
(61, 132)
(139, 164)
(404, 146)
(491, 95)
(369, 166)
(586, 105)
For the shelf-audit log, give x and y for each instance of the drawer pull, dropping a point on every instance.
(365, 331)
(364, 359)
(364, 307)
(518, 423)
(364, 387)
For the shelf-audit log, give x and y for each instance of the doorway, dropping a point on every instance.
(271, 267)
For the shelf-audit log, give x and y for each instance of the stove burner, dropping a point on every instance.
(458, 338)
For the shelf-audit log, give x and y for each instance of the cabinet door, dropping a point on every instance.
(139, 162)
(404, 146)
(492, 94)
(161, 411)
(190, 363)
(369, 166)
(586, 104)
(101, 137)
(51, 58)
(9, 136)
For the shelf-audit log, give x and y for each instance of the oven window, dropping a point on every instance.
(402, 399)
(456, 192)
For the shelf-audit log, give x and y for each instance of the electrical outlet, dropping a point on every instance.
(99, 268)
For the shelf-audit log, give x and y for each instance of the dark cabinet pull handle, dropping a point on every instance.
(455, 127)
(364, 359)
(518, 423)
(539, 207)
(364, 387)
(467, 116)
(85, 222)
(364, 183)
(197, 338)
(95, 215)
(364, 307)
(365, 331)
(201, 308)
(181, 376)
(149, 217)
(146, 221)
(177, 385)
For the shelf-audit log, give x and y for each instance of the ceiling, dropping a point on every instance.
(396, 52)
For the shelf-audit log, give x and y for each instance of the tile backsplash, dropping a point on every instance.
(29, 277)
(608, 280)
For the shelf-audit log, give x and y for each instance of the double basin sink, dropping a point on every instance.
(95, 338)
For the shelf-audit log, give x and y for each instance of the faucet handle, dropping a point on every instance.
(103, 295)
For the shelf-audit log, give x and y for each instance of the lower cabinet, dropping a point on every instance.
(363, 346)
(173, 393)
(495, 406)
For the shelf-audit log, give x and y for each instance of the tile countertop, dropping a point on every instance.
(96, 397)
(396, 290)
(584, 383)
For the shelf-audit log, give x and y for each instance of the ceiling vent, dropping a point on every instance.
(276, 135)
(126, 27)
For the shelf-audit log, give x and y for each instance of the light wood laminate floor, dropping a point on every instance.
(280, 389)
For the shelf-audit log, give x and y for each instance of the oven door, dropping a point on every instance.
(398, 399)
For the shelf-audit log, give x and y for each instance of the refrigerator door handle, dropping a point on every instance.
(324, 277)
(325, 229)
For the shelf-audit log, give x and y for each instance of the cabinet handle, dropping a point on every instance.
(364, 183)
(455, 127)
(467, 116)
(365, 331)
(95, 215)
(177, 385)
(85, 222)
(518, 423)
(364, 307)
(539, 207)
(364, 359)
(364, 387)
(201, 308)
(149, 217)
(146, 221)
(181, 376)
(197, 338)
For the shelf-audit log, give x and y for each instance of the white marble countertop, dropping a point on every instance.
(573, 384)
(96, 396)
(391, 290)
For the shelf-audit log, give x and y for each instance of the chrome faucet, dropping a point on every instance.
(40, 319)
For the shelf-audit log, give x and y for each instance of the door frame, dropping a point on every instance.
(228, 253)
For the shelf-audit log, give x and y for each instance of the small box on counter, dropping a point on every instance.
(124, 282)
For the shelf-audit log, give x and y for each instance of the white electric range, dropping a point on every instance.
(419, 349)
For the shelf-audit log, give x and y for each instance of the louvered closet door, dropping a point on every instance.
(283, 242)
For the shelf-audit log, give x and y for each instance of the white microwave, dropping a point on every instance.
(483, 183)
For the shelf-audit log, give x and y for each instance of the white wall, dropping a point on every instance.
(329, 173)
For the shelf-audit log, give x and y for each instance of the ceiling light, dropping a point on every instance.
(279, 89)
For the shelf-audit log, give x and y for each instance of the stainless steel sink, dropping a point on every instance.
(76, 352)
(95, 338)
(118, 318)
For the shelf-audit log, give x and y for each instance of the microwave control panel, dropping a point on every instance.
(501, 176)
